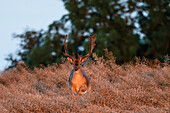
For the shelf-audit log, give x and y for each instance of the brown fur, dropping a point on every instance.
(79, 81)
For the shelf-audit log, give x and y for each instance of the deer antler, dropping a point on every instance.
(92, 44)
(65, 48)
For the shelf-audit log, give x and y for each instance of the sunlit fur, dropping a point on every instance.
(78, 80)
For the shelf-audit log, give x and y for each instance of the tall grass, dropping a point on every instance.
(132, 87)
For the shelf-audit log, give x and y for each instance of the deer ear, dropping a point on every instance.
(83, 60)
(70, 59)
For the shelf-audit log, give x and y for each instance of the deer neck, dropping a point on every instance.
(78, 74)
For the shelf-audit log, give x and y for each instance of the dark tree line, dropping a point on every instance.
(119, 26)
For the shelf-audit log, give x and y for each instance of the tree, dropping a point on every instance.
(106, 19)
(29, 40)
(114, 25)
(154, 20)
(40, 47)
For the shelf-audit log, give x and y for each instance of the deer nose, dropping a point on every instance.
(76, 63)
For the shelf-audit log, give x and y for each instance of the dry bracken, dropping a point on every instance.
(133, 87)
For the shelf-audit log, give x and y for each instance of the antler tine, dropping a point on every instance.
(65, 48)
(78, 56)
(92, 44)
(74, 56)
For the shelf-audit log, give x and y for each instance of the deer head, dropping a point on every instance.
(81, 59)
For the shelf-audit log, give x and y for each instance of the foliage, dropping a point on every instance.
(157, 31)
(39, 47)
(105, 19)
(131, 87)
(119, 26)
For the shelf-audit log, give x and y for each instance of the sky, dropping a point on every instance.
(16, 16)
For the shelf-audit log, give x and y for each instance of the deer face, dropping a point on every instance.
(76, 61)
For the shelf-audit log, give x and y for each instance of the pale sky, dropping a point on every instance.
(18, 15)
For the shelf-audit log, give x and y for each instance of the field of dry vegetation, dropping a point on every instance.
(132, 87)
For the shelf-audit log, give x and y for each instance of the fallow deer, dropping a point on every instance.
(79, 82)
